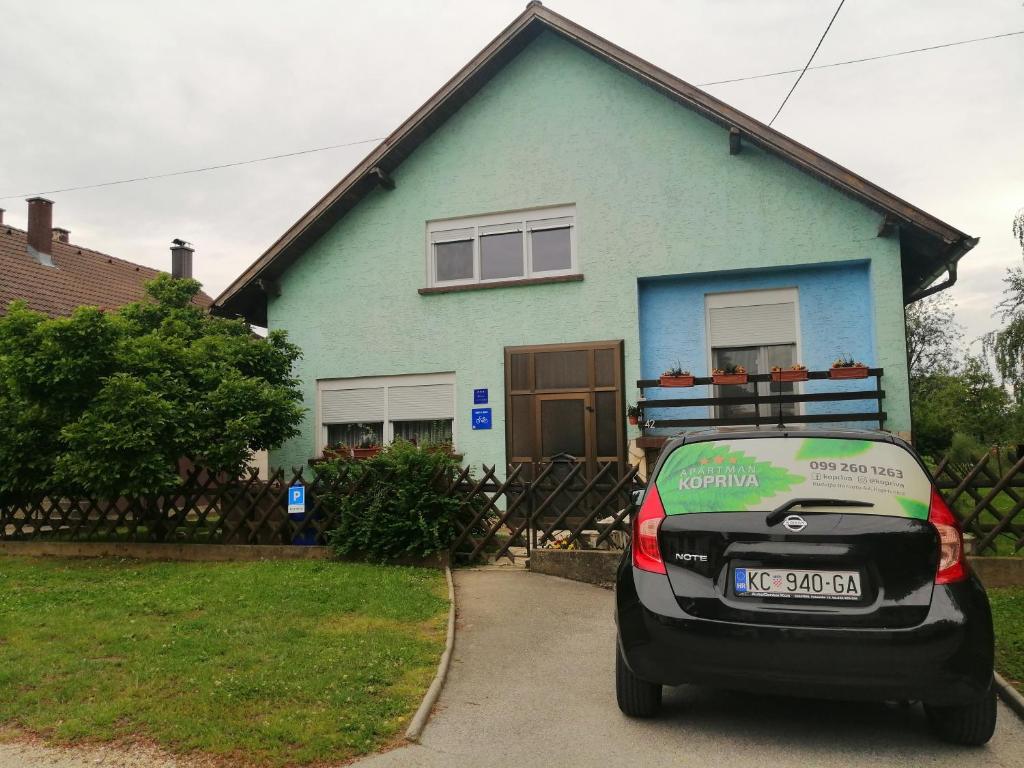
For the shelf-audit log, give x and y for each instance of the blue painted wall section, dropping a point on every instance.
(836, 311)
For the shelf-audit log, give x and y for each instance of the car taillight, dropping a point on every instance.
(952, 566)
(646, 522)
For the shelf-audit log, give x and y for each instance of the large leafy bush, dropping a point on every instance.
(106, 403)
(393, 504)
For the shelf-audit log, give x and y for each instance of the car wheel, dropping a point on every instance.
(971, 724)
(636, 697)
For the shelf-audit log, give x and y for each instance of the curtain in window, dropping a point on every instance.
(424, 432)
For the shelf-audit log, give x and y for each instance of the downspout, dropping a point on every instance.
(955, 252)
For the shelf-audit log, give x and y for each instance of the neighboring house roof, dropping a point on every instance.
(80, 277)
(929, 246)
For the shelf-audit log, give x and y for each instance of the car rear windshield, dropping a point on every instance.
(749, 474)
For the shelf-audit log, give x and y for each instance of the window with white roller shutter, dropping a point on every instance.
(370, 411)
(758, 330)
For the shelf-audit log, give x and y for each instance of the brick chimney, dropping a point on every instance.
(181, 259)
(61, 235)
(40, 230)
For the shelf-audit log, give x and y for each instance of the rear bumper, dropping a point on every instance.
(946, 659)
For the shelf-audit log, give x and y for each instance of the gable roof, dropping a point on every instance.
(929, 246)
(80, 277)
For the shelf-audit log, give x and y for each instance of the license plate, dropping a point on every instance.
(790, 583)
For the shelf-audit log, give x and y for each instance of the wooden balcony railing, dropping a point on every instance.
(869, 392)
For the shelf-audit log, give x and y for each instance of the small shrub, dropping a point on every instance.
(400, 509)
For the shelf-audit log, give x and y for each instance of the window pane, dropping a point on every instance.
(607, 438)
(561, 370)
(551, 249)
(749, 358)
(604, 367)
(454, 261)
(520, 372)
(783, 356)
(522, 426)
(438, 432)
(501, 256)
(362, 435)
(562, 428)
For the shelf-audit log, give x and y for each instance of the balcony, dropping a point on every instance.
(675, 412)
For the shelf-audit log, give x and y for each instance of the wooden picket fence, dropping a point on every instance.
(987, 495)
(565, 505)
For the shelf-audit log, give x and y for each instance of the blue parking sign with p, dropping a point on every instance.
(297, 500)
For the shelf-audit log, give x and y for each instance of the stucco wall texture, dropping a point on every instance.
(656, 194)
(831, 321)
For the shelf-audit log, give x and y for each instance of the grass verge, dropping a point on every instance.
(1008, 617)
(271, 663)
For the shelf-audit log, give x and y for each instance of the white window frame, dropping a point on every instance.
(526, 221)
(382, 382)
(753, 298)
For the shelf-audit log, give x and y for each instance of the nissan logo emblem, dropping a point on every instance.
(794, 523)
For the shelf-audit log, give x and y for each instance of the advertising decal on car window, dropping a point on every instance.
(764, 473)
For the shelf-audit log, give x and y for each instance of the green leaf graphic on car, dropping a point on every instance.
(913, 507)
(711, 477)
(829, 448)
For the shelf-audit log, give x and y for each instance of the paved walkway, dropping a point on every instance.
(532, 684)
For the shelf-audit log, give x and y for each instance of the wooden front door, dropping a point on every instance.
(564, 399)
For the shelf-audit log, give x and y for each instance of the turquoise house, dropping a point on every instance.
(563, 220)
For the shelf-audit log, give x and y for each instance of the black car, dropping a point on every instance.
(803, 562)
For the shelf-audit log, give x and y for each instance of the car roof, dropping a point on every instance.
(775, 431)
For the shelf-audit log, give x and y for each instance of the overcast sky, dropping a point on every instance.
(98, 91)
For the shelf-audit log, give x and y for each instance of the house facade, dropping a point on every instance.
(561, 221)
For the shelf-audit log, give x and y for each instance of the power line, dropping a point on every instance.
(802, 71)
(192, 170)
(866, 58)
(367, 141)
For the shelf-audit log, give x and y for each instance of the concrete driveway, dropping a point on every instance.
(532, 684)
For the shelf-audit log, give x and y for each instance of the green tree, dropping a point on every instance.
(967, 407)
(1006, 345)
(108, 402)
(933, 336)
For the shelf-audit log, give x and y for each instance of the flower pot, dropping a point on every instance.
(778, 376)
(365, 453)
(634, 420)
(728, 378)
(849, 372)
(675, 381)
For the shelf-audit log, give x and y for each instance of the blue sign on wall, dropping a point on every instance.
(481, 418)
(480, 396)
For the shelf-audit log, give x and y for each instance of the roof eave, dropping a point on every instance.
(406, 137)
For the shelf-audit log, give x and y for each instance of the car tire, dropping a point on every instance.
(970, 725)
(636, 697)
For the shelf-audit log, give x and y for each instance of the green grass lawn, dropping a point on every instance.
(1008, 616)
(271, 663)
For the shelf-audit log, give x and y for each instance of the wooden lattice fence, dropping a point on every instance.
(987, 495)
(565, 505)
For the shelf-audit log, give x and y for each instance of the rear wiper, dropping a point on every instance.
(777, 514)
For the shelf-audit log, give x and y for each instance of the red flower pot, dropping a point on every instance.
(849, 372)
(778, 376)
(728, 378)
(675, 381)
(634, 420)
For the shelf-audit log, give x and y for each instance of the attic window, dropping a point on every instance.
(520, 245)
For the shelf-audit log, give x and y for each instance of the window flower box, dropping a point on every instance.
(847, 368)
(793, 373)
(730, 376)
(365, 453)
(666, 380)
